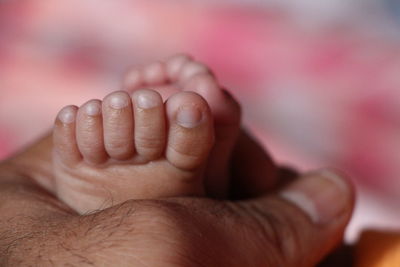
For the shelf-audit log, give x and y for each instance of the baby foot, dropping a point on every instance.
(181, 73)
(131, 147)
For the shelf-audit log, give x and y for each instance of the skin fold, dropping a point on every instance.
(37, 229)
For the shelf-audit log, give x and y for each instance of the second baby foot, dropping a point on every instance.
(183, 73)
(131, 147)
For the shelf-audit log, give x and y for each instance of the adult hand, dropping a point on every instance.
(295, 226)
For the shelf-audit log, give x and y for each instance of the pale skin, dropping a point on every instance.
(171, 133)
(264, 230)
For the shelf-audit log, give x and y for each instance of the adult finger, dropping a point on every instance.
(303, 222)
(254, 171)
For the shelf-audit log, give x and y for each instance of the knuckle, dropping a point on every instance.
(278, 231)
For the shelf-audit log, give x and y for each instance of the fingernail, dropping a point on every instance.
(188, 116)
(118, 101)
(323, 196)
(93, 108)
(147, 100)
(67, 114)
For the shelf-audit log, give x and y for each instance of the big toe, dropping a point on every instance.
(191, 132)
(227, 116)
(225, 109)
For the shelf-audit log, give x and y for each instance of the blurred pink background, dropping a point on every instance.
(319, 83)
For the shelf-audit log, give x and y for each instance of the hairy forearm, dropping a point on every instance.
(25, 209)
(27, 206)
(36, 229)
(35, 163)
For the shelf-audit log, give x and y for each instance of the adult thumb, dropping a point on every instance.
(305, 221)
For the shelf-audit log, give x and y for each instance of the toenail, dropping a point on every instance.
(67, 115)
(92, 108)
(189, 116)
(147, 100)
(118, 101)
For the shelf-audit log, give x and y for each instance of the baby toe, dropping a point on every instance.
(150, 124)
(133, 80)
(64, 138)
(192, 68)
(175, 64)
(154, 74)
(191, 133)
(118, 125)
(89, 132)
